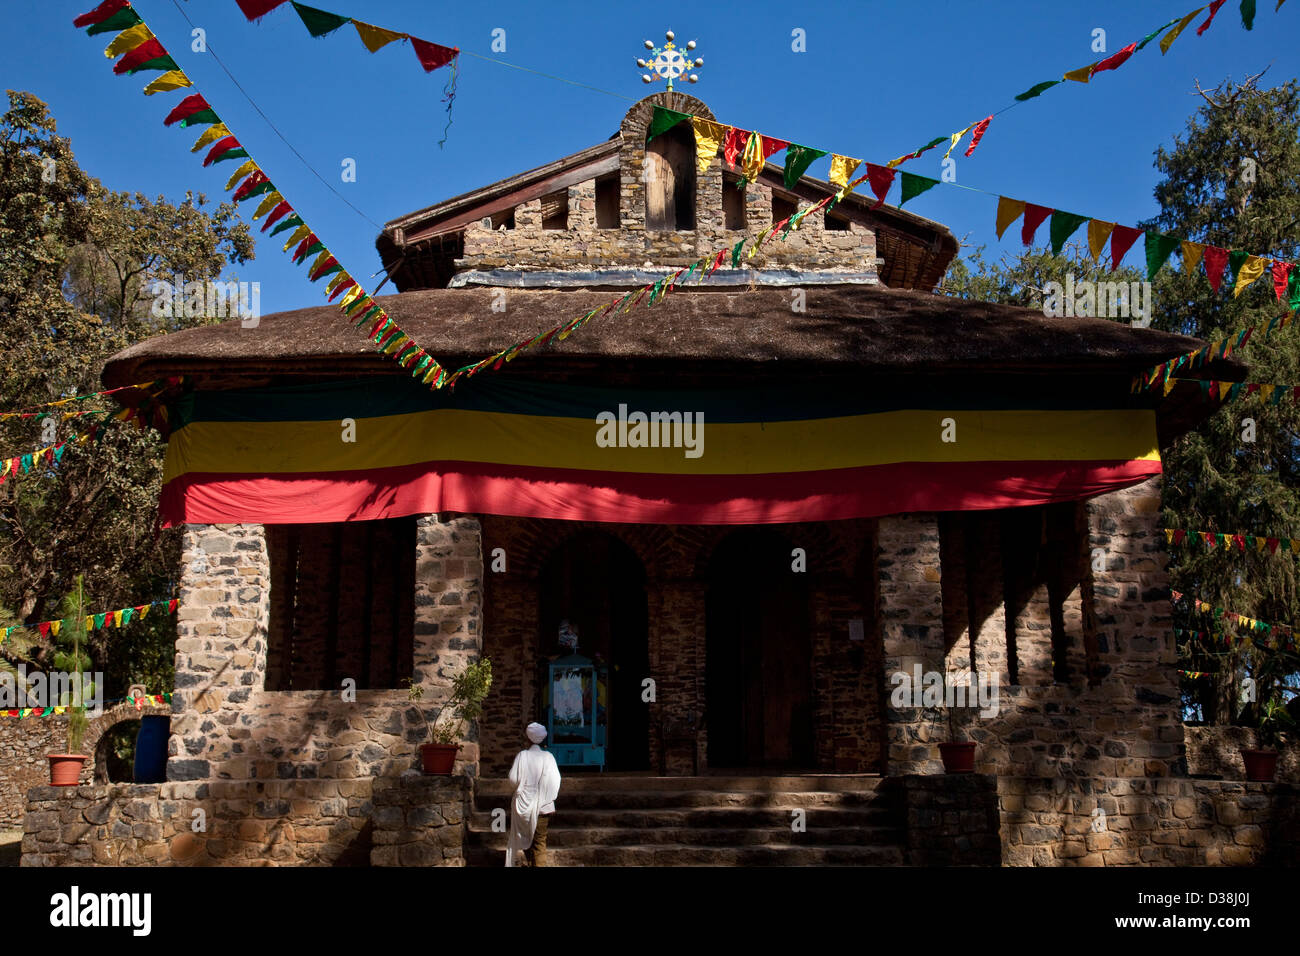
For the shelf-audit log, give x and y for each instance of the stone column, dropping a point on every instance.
(221, 629)
(911, 627)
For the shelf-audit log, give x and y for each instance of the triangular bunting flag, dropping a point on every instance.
(128, 40)
(842, 168)
(1192, 252)
(881, 178)
(171, 80)
(1216, 260)
(318, 22)
(913, 185)
(1121, 240)
(375, 38)
(1116, 59)
(1214, 9)
(1009, 210)
(734, 145)
(1158, 248)
(433, 56)
(797, 160)
(1098, 232)
(1062, 228)
(1281, 278)
(978, 134)
(1251, 269)
(255, 9)
(1036, 90)
(1034, 216)
(1172, 35)
(1082, 74)
(708, 140)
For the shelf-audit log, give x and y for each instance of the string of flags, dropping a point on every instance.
(749, 150)
(94, 622)
(140, 50)
(1285, 633)
(139, 701)
(31, 411)
(1242, 542)
(1230, 391)
(1220, 348)
(1194, 675)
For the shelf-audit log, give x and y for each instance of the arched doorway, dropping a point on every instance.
(597, 583)
(758, 677)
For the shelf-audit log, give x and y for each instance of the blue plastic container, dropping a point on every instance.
(151, 748)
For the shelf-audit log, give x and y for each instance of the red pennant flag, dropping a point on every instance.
(171, 606)
(150, 49)
(734, 145)
(100, 13)
(255, 9)
(1272, 545)
(1214, 8)
(1281, 275)
(1034, 216)
(44, 628)
(1115, 60)
(1241, 542)
(279, 212)
(221, 146)
(773, 145)
(320, 270)
(1208, 538)
(1179, 535)
(340, 288)
(1178, 595)
(1121, 240)
(255, 179)
(303, 247)
(881, 178)
(432, 55)
(187, 107)
(1216, 260)
(978, 134)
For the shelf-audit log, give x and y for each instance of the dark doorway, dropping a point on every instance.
(597, 583)
(758, 655)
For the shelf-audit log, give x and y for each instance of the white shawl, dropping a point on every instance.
(536, 777)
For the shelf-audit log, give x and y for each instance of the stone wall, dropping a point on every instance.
(1117, 714)
(846, 700)
(420, 820)
(25, 743)
(227, 726)
(1216, 752)
(241, 823)
(947, 819)
(1108, 821)
(581, 245)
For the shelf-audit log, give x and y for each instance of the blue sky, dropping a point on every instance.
(877, 79)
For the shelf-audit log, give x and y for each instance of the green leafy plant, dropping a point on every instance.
(1274, 720)
(468, 690)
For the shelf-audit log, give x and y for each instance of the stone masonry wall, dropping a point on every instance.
(226, 726)
(583, 246)
(420, 821)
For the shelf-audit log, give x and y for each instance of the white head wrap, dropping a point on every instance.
(536, 732)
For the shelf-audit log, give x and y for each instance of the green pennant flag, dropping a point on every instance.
(1248, 14)
(291, 222)
(914, 185)
(797, 160)
(735, 254)
(1036, 89)
(1062, 228)
(58, 451)
(319, 22)
(1236, 259)
(202, 117)
(664, 120)
(314, 248)
(1293, 288)
(1159, 249)
(99, 620)
(127, 614)
(1151, 36)
(656, 290)
(124, 19)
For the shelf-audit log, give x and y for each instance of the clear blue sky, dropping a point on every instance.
(878, 79)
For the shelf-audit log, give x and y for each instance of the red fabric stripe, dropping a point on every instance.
(100, 13)
(432, 55)
(150, 49)
(661, 499)
(187, 107)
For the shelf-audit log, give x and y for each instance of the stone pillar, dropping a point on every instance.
(448, 611)
(528, 215)
(911, 628)
(582, 205)
(221, 629)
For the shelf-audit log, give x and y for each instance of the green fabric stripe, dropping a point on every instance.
(206, 117)
(162, 64)
(290, 222)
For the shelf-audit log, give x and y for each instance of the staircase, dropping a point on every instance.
(610, 820)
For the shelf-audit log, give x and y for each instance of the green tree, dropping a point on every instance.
(78, 267)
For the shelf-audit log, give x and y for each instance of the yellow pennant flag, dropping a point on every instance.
(1098, 233)
(299, 234)
(376, 38)
(1169, 535)
(1172, 35)
(90, 622)
(842, 168)
(1265, 393)
(709, 137)
(1192, 253)
(1250, 270)
(758, 242)
(1169, 385)
(337, 278)
(117, 618)
(350, 296)
(956, 138)
(1082, 75)
(320, 261)
(751, 161)
(171, 80)
(144, 610)
(240, 173)
(128, 40)
(55, 627)
(1009, 210)
(269, 202)
(210, 135)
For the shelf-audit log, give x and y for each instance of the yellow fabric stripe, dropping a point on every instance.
(746, 448)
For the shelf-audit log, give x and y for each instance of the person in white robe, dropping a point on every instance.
(536, 777)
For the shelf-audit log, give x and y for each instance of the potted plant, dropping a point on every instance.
(1261, 763)
(65, 768)
(958, 755)
(468, 689)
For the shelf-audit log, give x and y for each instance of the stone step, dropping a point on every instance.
(775, 818)
(684, 855)
(574, 837)
(636, 783)
(590, 799)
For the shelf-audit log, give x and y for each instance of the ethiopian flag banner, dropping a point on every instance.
(369, 449)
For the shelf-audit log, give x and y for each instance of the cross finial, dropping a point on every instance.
(669, 63)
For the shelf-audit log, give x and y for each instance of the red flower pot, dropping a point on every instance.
(958, 757)
(65, 769)
(438, 758)
(1261, 765)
